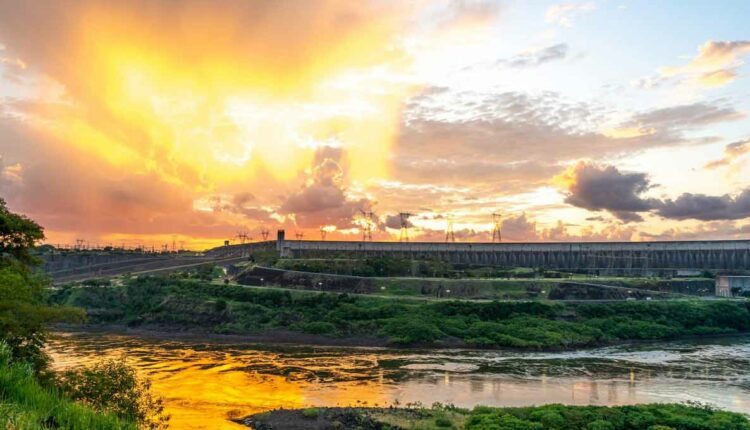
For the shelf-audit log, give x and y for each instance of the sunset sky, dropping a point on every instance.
(144, 122)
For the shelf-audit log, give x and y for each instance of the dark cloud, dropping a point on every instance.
(537, 57)
(706, 208)
(595, 187)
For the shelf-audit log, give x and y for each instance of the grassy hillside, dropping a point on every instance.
(182, 304)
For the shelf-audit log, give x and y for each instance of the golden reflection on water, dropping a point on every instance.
(202, 389)
(203, 385)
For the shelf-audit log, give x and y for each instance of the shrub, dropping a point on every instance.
(310, 412)
(443, 422)
(114, 387)
(410, 330)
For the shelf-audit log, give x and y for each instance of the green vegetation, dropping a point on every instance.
(550, 417)
(110, 396)
(171, 303)
(369, 267)
(114, 387)
(24, 311)
(26, 404)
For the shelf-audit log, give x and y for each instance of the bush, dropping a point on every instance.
(310, 412)
(443, 422)
(112, 386)
(319, 327)
(411, 330)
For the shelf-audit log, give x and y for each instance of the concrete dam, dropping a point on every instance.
(605, 257)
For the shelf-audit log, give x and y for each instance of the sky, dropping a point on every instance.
(154, 122)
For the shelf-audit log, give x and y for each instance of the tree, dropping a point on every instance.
(18, 235)
(24, 312)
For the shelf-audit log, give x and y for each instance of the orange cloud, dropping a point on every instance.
(715, 65)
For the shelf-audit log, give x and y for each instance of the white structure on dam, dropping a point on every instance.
(715, 255)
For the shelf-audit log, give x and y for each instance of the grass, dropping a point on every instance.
(561, 417)
(26, 404)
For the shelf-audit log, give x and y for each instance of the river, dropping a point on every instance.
(204, 383)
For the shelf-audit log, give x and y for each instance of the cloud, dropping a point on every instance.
(732, 152)
(10, 175)
(596, 187)
(715, 65)
(323, 200)
(393, 221)
(685, 116)
(706, 208)
(537, 57)
(509, 143)
(518, 228)
(705, 231)
(563, 14)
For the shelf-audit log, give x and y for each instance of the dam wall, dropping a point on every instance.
(615, 257)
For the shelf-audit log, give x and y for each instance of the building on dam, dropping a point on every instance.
(732, 285)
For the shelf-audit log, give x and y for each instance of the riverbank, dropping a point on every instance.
(282, 338)
(177, 305)
(650, 416)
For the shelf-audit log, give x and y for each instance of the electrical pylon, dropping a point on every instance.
(404, 233)
(450, 236)
(367, 217)
(497, 223)
(264, 233)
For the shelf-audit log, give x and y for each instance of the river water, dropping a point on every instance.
(204, 383)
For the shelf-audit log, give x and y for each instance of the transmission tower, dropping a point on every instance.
(450, 236)
(264, 233)
(299, 235)
(497, 223)
(80, 244)
(367, 217)
(404, 233)
(242, 237)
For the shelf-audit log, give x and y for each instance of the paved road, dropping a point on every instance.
(141, 267)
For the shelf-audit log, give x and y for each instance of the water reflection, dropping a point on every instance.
(205, 383)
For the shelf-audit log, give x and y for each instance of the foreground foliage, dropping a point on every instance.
(111, 395)
(114, 387)
(27, 404)
(169, 303)
(24, 311)
(549, 417)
